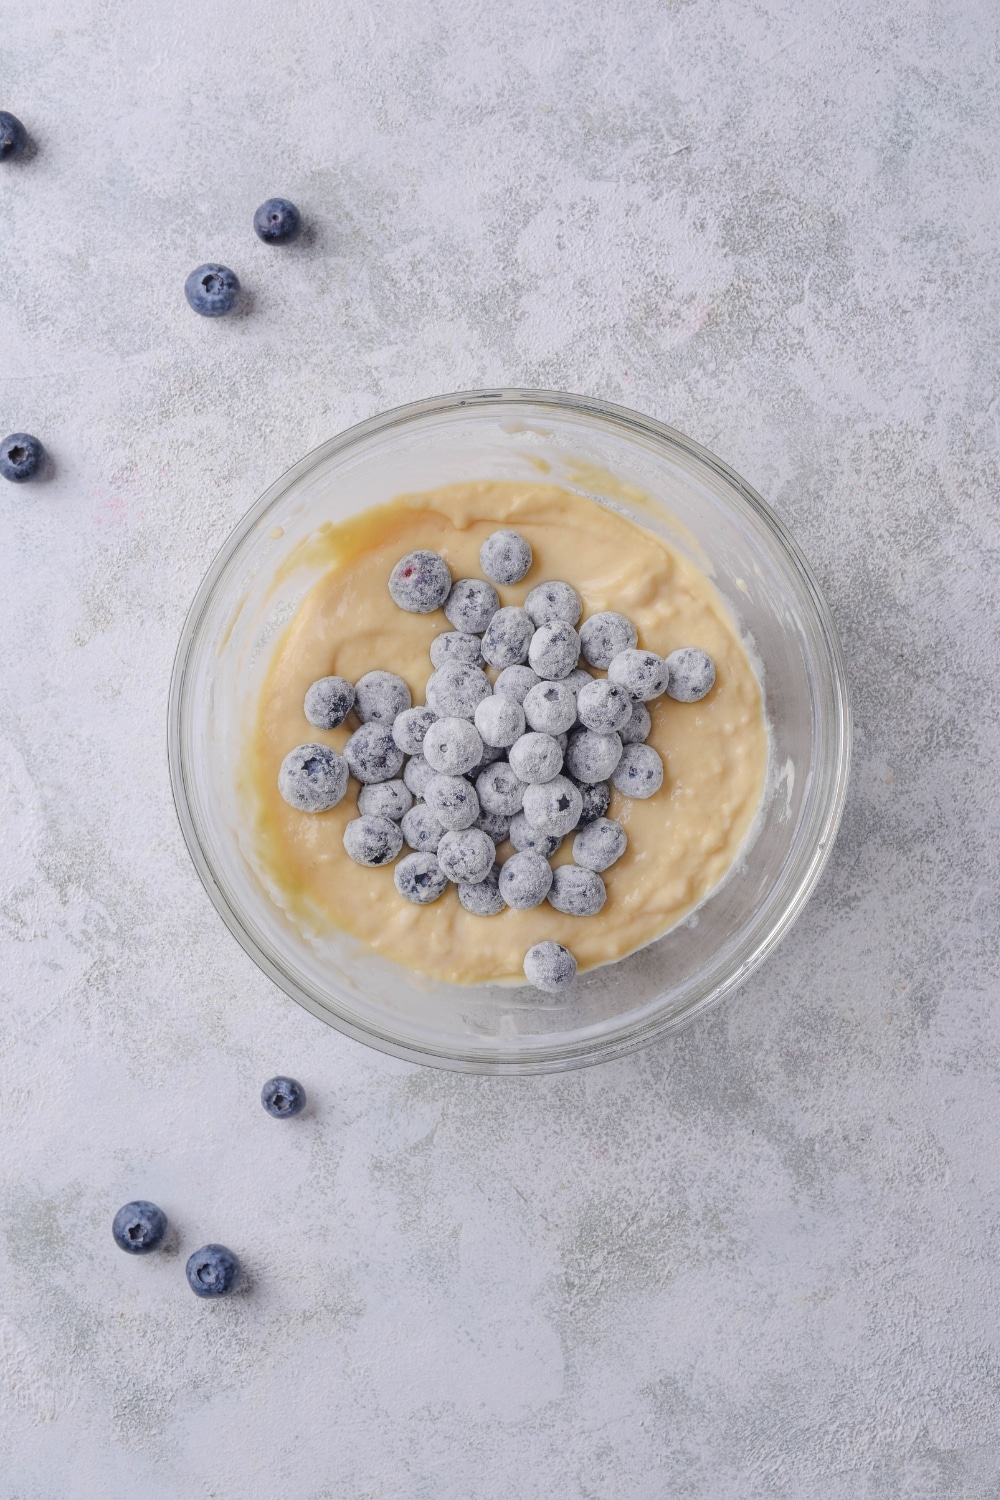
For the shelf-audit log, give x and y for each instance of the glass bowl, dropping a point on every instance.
(668, 484)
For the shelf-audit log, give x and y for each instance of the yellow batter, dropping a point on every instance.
(680, 841)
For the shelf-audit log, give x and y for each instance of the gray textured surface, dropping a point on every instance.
(758, 1260)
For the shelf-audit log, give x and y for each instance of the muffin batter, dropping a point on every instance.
(681, 841)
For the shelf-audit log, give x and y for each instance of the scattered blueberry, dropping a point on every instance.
(638, 726)
(525, 880)
(471, 605)
(456, 646)
(505, 557)
(212, 1271)
(604, 706)
(553, 806)
(420, 582)
(596, 799)
(549, 967)
(483, 899)
(592, 757)
(497, 825)
(500, 789)
(212, 290)
(385, 799)
(139, 1227)
(373, 841)
(409, 728)
(600, 844)
(507, 637)
(641, 673)
(13, 136)
(419, 878)
(380, 696)
(328, 702)
(516, 682)
(417, 773)
(554, 601)
(466, 855)
(500, 721)
(604, 635)
(283, 1098)
(421, 829)
(554, 650)
(536, 757)
(21, 457)
(639, 773)
(576, 892)
(692, 674)
(528, 840)
(313, 778)
(452, 801)
(455, 691)
(551, 707)
(452, 746)
(372, 754)
(277, 222)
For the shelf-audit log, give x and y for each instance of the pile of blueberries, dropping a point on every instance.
(530, 758)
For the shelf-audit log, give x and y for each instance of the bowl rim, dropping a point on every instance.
(652, 1027)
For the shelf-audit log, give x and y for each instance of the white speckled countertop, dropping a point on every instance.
(760, 1259)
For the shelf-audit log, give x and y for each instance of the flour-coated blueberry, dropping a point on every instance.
(536, 757)
(639, 773)
(554, 601)
(471, 605)
(385, 799)
(592, 757)
(497, 825)
(213, 1271)
(577, 892)
(139, 1227)
(452, 800)
(466, 855)
(417, 773)
(380, 696)
(456, 646)
(421, 829)
(419, 878)
(554, 650)
(516, 682)
(596, 798)
(643, 674)
(454, 691)
(507, 637)
(550, 708)
(420, 582)
(500, 789)
(549, 967)
(577, 679)
(692, 674)
(528, 840)
(598, 845)
(483, 899)
(372, 753)
(604, 635)
(373, 841)
(409, 728)
(604, 706)
(553, 806)
(500, 720)
(505, 557)
(313, 778)
(328, 702)
(452, 746)
(638, 726)
(525, 880)
(491, 753)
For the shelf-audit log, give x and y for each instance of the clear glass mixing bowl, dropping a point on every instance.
(666, 483)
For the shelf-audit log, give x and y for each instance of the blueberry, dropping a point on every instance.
(692, 674)
(525, 880)
(549, 967)
(554, 650)
(592, 757)
(471, 605)
(500, 721)
(507, 637)
(212, 1271)
(603, 636)
(490, 754)
(483, 899)
(596, 797)
(420, 582)
(553, 807)
(313, 778)
(409, 728)
(577, 892)
(528, 840)
(500, 789)
(600, 844)
(21, 457)
(505, 557)
(452, 801)
(417, 773)
(385, 799)
(554, 601)
(455, 691)
(328, 702)
(212, 290)
(604, 706)
(497, 825)
(380, 696)
(536, 757)
(452, 746)
(13, 136)
(372, 754)
(638, 726)
(643, 674)
(277, 222)
(283, 1098)
(420, 879)
(466, 855)
(516, 682)
(139, 1227)
(456, 646)
(578, 679)
(551, 708)
(639, 772)
(373, 841)
(421, 829)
